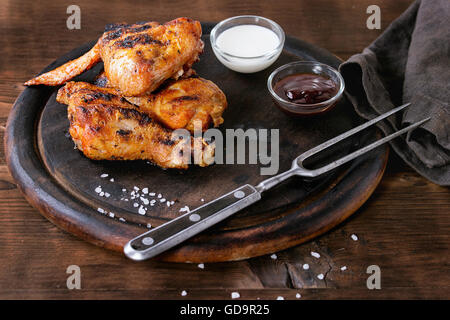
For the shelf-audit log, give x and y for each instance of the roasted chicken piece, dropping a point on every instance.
(137, 58)
(181, 104)
(104, 126)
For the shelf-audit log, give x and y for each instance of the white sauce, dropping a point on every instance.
(247, 43)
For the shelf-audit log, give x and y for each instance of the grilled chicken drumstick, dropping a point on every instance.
(181, 103)
(104, 126)
(137, 58)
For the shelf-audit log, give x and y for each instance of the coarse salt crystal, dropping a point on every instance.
(159, 195)
(136, 188)
(101, 210)
(298, 295)
(111, 215)
(343, 268)
(354, 237)
(98, 189)
(315, 254)
(172, 202)
(152, 194)
(101, 194)
(122, 219)
(145, 190)
(162, 200)
(183, 293)
(107, 194)
(201, 266)
(168, 203)
(141, 210)
(112, 179)
(274, 256)
(104, 175)
(149, 225)
(280, 298)
(305, 266)
(144, 200)
(124, 190)
(235, 295)
(135, 204)
(320, 276)
(202, 200)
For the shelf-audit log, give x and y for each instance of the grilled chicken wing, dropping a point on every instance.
(104, 126)
(137, 58)
(181, 104)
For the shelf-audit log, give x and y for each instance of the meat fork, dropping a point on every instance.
(172, 233)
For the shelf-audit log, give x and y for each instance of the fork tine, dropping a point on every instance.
(346, 134)
(365, 149)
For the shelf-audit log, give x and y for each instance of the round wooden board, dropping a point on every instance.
(60, 182)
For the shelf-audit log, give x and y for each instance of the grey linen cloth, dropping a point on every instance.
(409, 62)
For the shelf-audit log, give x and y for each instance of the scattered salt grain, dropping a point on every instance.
(101, 194)
(152, 194)
(149, 225)
(280, 298)
(343, 268)
(201, 266)
(112, 179)
(104, 175)
(98, 189)
(136, 188)
(354, 237)
(235, 295)
(111, 215)
(315, 254)
(320, 276)
(144, 200)
(298, 295)
(124, 190)
(159, 195)
(274, 256)
(305, 266)
(183, 293)
(141, 210)
(107, 194)
(122, 219)
(135, 204)
(172, 203)
(168, 203)
(162, 200)
(185, 209)
(202, 200)
(101, 210)
(145, 190)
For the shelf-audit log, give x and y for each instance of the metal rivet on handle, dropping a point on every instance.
(148, 241)
(239, 194)
(194, 217)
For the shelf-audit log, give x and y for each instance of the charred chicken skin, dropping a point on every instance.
(104, 126)
(137, 58)
(184, 103)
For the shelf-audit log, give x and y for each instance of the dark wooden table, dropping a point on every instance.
(404, 228)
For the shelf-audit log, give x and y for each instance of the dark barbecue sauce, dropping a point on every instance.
(305, 88)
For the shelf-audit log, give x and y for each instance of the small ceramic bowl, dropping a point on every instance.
(247, 64)
(310, 67)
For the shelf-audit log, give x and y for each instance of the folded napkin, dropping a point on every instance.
(409, 62)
